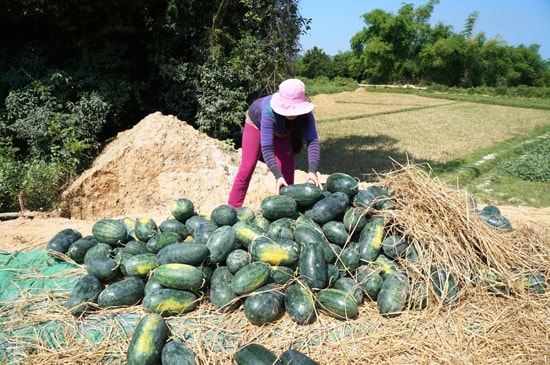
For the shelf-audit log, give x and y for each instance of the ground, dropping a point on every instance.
(143, 170)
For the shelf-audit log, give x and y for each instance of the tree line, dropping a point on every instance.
(404, 48)
(73, 74)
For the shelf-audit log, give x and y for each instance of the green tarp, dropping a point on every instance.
(32, 273)
(33, 289)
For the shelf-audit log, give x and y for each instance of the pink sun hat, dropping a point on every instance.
(291, 99)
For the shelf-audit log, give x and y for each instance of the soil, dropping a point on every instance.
(143, 170)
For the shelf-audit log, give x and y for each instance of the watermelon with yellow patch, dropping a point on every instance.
(170, 302)
(147, 341)
(279, 251)
(145, 228)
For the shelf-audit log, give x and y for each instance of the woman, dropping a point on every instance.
(276, 127)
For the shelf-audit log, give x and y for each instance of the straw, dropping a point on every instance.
(485, 326)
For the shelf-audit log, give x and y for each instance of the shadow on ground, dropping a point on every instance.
(361, 156)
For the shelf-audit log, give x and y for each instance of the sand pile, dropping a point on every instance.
(144, 169)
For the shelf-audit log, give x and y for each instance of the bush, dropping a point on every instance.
(46, 138)
(324, 85)
(40, 183)
(10, 171)
(532, 164)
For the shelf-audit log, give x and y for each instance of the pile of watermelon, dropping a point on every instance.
(306, 250)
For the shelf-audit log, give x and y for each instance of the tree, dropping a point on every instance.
(442, 61)
(388, 47)
(404, 48)
(314, 63)
(74, 73)
(341, 64)
(528, 65)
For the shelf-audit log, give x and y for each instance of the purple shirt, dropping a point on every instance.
(270, 123)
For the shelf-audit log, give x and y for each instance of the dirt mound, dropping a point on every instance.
(144, 169)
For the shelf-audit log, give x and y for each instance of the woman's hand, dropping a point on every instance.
(280, 183)
(312, 177)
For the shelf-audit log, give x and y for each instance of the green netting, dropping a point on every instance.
(32, 273)
(33, 291)
(33, 288)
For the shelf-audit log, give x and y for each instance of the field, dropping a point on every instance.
(383, 130)
(365, 132)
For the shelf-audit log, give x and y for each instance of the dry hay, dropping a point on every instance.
(483, 327)
(442, 224)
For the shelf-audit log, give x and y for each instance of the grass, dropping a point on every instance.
(487, 175)
(365, 133)
(513, 96)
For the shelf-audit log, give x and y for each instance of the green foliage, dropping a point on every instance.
(534, 162)
(313, 64)
(404, 48)
(39, 183)
(42, 183)
(521, 97)
(496, 180)
(53, 130)
(73, 76)
(57, 138)
(10, 175)
(221, 104)
(322, 85)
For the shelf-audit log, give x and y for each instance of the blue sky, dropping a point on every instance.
(334, 22)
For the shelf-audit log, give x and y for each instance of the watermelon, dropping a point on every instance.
(179, 276)
(280, 251)
(78, 249)
(220, 244)
(169, 302)
(175, 352)
(124, 293)
(102, 267)
(278, 206)
(250, 277)
(63, 239)
(222, 295)
(182, 209)
(110, 231)
(305, 195)
(224, 215)
(264, 304)
(336, 303)
(145, 228)
(148, 340)
(393, 294)
(85, 291)
(342, 182)
(255, 354)
(299, 304)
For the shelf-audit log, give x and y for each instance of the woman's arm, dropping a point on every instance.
(267, 131)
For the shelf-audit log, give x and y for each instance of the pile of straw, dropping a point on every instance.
(442, 224)
(481, 328)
